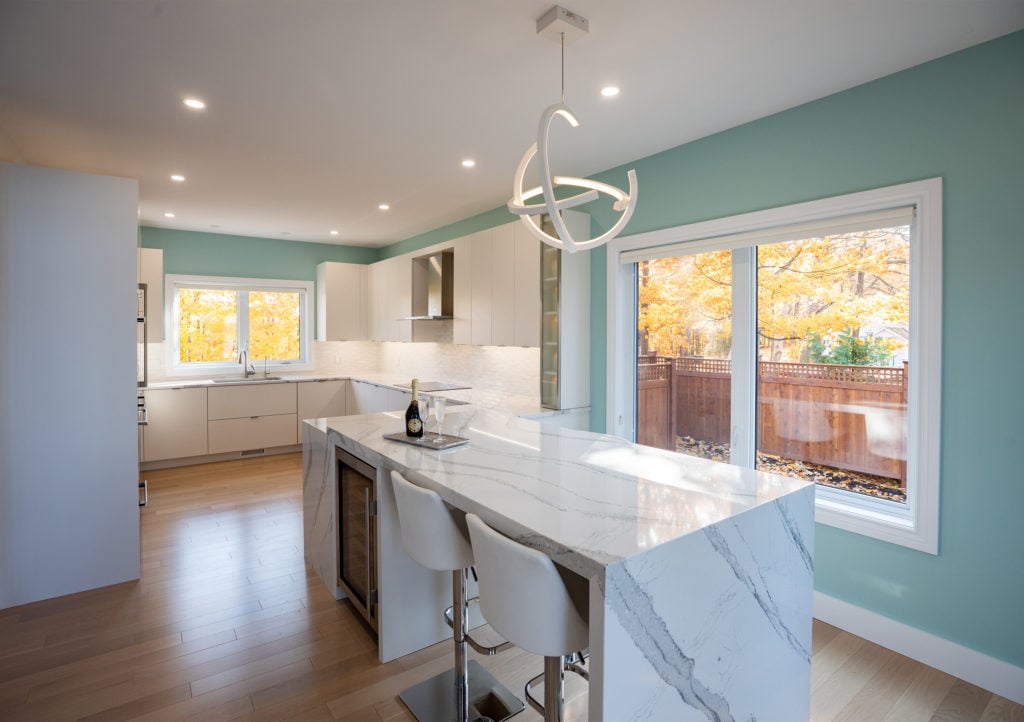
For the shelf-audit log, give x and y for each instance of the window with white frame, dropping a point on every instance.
(803, 340)
(214, 319)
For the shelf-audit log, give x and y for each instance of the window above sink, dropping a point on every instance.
(213, 319)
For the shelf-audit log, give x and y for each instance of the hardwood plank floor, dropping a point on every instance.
(227, 622)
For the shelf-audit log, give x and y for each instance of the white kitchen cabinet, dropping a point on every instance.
(504, 296)
(177, 424)
(397, 400)
(373, 303)
(366, 398)
(389, 286)
(257, 432)
(320, 399)
(527, 300)
(151, 272)
(252, 416)
(397, 295)
(480, 292)
(462, 292)
(503, 286)
(231, 402)
(341, 293)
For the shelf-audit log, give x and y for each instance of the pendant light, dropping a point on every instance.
(559, 22)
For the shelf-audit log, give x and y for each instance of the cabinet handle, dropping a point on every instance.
(254, 417)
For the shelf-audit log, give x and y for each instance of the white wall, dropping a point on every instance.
(68, 435)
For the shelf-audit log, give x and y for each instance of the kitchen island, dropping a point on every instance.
(700, 573)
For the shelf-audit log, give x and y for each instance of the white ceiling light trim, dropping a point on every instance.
(560, 20)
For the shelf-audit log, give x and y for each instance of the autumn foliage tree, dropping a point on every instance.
(829, 289)
(208, 324)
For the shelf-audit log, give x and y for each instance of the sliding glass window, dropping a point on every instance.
(795, 348)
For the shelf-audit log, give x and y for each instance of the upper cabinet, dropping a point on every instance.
(489, 283)
(527, 331)
(504, 286)
(342, 291)
(151, 272)
(393, 294)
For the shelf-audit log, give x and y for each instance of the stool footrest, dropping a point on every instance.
(480, 648)
(569, 664)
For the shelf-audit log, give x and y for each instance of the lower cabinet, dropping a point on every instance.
(256, 432)
(177, 424)
(366, 398)
(255, 416)
(321, 399)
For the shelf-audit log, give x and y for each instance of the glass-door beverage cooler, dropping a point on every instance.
(357, 534)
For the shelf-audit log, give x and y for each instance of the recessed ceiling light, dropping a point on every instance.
(178, 178)
(468, 163)
(168, 215)
(384, 206)
(609, 91)
(334, 233)
(194, 103)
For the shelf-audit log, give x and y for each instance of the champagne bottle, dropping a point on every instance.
(413, 422)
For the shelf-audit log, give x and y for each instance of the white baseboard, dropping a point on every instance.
(995, 675)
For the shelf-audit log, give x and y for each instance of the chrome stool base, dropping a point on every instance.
(434, 699)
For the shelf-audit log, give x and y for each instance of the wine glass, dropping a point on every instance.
(424, 410)
(439, 409)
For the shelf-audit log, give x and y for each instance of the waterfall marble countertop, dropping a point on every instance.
(586, 500)
(701, 573)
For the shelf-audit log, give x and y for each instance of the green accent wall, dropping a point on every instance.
(960, 117)
(217, 254)
(466, 226)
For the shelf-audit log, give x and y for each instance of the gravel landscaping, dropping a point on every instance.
(879, 486)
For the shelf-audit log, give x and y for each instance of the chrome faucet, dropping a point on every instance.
(247, 368)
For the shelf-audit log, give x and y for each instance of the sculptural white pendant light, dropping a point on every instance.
(559, 20)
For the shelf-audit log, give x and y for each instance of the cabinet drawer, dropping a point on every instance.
(232, 402)
(259, 432)
(177, 424)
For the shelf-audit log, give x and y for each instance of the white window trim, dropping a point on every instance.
(199, 369)
(914, 524)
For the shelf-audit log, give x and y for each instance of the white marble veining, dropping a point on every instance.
(320, 504)
(700, 572)
(587, 500)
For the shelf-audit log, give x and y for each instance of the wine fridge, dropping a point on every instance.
(357, 534)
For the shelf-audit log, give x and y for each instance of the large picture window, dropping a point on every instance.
(215, 319)
(802, 341)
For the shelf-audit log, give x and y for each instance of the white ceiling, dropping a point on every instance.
(318, 110)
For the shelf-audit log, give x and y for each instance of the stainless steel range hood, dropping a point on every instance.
(433, 288)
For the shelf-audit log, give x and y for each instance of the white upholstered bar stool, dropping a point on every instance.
(526, 600)
(432, 536)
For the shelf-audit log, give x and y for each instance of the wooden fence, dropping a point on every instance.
(848, 417)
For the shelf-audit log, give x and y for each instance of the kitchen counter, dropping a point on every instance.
(461, 394)
(700, 572)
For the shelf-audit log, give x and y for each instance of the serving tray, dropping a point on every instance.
(429, 441)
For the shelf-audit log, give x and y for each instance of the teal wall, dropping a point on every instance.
(489, 219)
(960, 117)
(216, 254)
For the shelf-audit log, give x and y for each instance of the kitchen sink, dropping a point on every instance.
(259, 380)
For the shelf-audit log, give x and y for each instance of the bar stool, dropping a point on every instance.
(432, 536)
(529, 603)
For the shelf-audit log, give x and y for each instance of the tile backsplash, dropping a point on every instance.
(498, 375)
